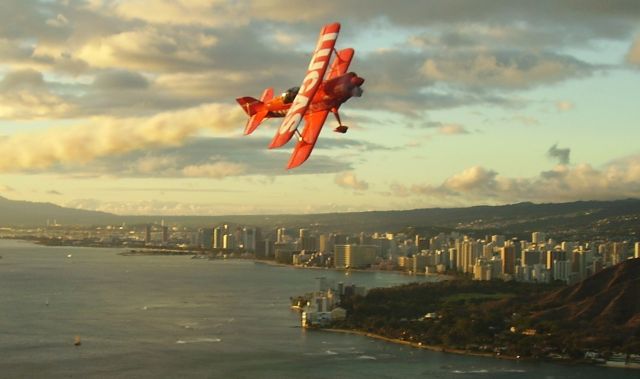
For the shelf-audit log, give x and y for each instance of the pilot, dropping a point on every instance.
(290, 94)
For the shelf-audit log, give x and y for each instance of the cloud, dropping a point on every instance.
(633, 56)
(616, 180)
(452, 129)
(215, 13)
(6, 188)
(215, 158)
(53, 192)
(564, 106)
(561, 155)
(348, 180)
(25, 95)
(503, 69)
(172, 208)
(103, 136)
(215, 170)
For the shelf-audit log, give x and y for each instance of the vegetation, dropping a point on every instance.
(512, 318)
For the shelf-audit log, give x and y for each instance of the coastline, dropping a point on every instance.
(418, 345)
(444, 349)
(442, 277)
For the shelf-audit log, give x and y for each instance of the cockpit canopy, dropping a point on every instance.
(290, 94)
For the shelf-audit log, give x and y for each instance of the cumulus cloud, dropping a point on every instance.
(109, 136)
(25, 95)
(616, 180)
(561, 155)
(350, 181)
(212, 157)
(503, 69)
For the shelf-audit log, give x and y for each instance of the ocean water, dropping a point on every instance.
(176, 317)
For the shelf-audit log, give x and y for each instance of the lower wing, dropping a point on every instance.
(314, 122)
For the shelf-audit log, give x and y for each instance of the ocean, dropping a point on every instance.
(176, 317)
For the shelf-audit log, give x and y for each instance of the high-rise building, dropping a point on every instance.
(354, 256)
(218, 234)
(206, 238)
(538, 237)
(555, 255)
(468, 251)
(529, 257)
(147, 234)
(508, 257)
(165, 235)
(249, 239)
(323, 242)
(306, 241)
(281, 235)
(340, 239)
(228, 242)
(498, 240)
(561, 270)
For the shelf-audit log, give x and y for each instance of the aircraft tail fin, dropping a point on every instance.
(250, 105)
(256, 109)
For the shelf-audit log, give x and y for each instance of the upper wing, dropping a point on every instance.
(310, 84)
(341, 64)
(301, 152)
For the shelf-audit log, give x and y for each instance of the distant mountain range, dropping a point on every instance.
(26, 213)
(574, 219)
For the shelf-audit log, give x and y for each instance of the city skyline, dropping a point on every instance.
(128, 106)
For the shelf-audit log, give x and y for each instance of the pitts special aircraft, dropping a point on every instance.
(313, 100)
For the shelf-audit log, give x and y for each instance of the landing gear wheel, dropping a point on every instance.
(341, 129)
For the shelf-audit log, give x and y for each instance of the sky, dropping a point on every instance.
(128, 106)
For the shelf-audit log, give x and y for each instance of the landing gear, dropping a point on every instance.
(341, 128)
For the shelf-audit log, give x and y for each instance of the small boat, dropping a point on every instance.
(76, 341)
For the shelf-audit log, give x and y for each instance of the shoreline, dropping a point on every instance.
(442, 277)
(418, 345)
(444, 349)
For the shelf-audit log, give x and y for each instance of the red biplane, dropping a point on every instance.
(313, 100)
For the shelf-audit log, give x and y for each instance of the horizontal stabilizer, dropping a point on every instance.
(256, 109)
(255, 120)
(249, 104)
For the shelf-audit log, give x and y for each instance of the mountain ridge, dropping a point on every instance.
(517, 218)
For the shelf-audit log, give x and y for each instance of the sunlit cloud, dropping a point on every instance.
(452, 129)
(564, 106)
(616, 180)
(350, 181)
(110, 136)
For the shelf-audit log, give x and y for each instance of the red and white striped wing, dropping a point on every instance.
(310, 84)
(302, 151)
